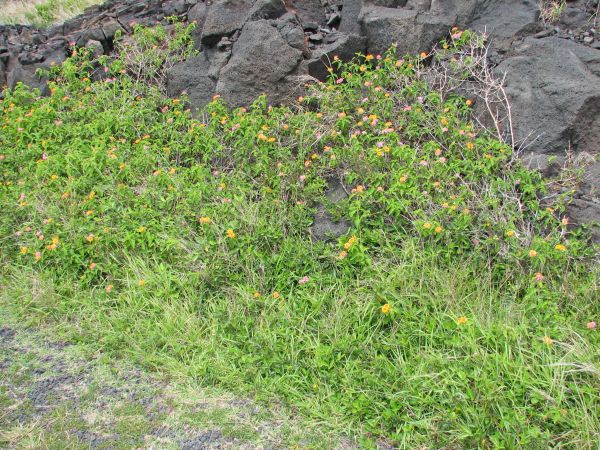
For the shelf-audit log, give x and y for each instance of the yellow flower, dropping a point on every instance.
(510, 233)
(141, 229)
(385, 309)
(204, 220)
(469, 102)
(350, 242)
(90, 238)
(141, 282)
(256, 295)
(470, 145)
(560, 247)
(55, 240)
(276, 295)
(548, 340)
(89, 212)
(462, 320)
(427, 225)
(230, 234)
(438, 229)
(24, 250)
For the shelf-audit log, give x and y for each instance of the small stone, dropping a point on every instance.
(588, 39)
(224, 43)
(316, 37)
(310, 26)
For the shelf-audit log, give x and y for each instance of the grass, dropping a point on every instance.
(73, 394)
(41, 13)
(457, 311)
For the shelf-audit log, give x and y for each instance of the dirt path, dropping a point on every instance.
(52, 396)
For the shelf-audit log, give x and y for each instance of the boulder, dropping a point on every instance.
(260, 63)
(350, 17)
(504, 21)
(27, 75)
(197, 77)
(411, 31)
(343, 46)
(309, 11)
(291, 31)
(324, 227)
(223, 18)
(554, 88)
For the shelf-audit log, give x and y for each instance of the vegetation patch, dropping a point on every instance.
(41, 13)
(457, 310)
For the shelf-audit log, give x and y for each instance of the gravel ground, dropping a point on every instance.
(55, 395)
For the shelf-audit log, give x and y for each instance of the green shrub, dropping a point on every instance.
(453, 312)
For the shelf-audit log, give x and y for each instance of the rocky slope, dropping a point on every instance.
(249, 47)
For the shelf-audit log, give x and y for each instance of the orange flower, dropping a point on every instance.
(462, 320)
(276, 295)
(532, 253)
(548, 340)
(230, 234)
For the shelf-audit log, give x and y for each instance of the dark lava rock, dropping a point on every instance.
(260, 63)
(554, 88)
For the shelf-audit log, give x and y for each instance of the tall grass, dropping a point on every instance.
(41, 13)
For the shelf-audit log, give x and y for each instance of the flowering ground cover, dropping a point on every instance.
(458, 310)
